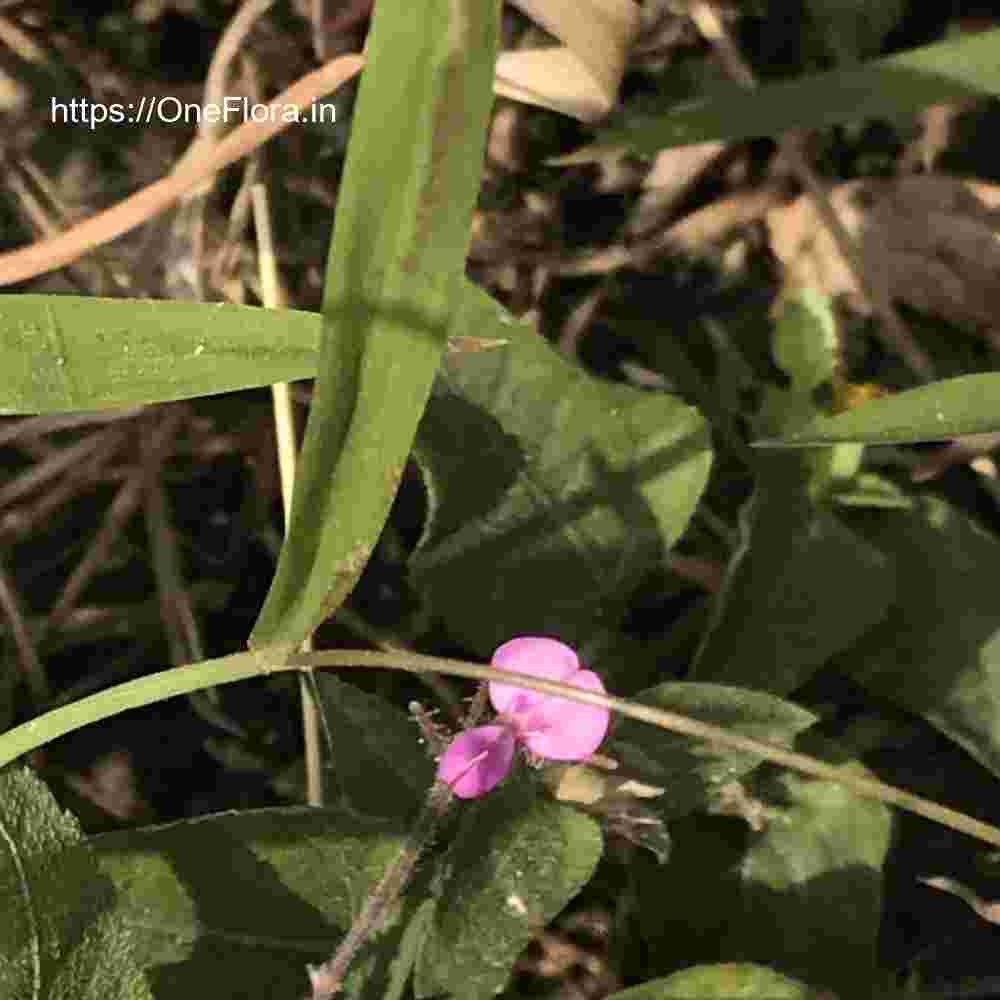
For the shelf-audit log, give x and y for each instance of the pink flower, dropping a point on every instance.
(555, 728)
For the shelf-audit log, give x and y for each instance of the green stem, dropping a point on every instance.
(183, 680)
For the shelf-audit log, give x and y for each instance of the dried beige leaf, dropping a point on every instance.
(581, 77)
(733, 799)
(932, 241)
(676, 168)
(592, 785)
(673, 173)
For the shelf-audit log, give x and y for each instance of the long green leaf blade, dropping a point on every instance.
(967, 67)
(65, 353)
(969, 404)
(394, 278)
(68, 352)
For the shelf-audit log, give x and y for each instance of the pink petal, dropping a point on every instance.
(559, 729)
(477, 760)
(534, 655)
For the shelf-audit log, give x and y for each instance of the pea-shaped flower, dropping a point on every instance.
(545, 725)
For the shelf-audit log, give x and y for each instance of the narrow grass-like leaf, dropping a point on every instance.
(63, 353)
(69, 352)
(959, 69)
(60, 936)
(969, 404)
(394, 282)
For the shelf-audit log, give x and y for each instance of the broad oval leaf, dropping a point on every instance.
(689, 771)
(518, 859)
(937, 654)
(245, 900)
(554, 490)
(724, 981)
(378, 765)
(61, 937)
(799, 887)
(815, 871)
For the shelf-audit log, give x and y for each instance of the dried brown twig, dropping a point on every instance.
(31, 665)
(130, 496)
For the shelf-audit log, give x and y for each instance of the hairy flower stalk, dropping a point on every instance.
(327, 980)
